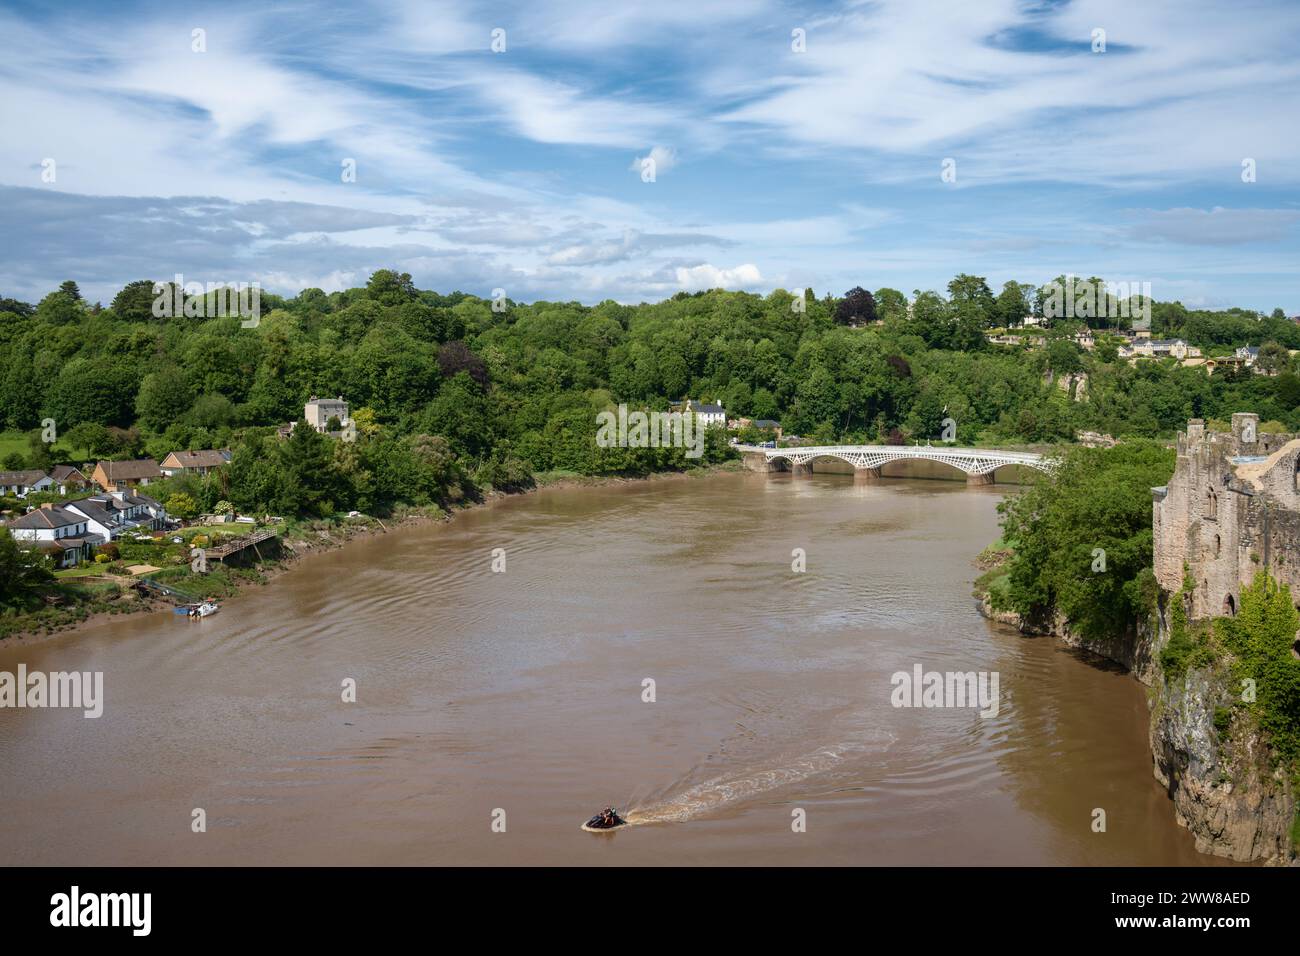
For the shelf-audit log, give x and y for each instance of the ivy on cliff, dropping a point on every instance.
(1261, 637)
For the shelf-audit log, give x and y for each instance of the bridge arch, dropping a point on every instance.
(977, 463)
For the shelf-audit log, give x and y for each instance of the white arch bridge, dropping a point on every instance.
(977, 463)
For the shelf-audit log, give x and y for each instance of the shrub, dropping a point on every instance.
(1261, 636)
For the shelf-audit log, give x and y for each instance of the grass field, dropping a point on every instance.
(81, 571)
(16, 441)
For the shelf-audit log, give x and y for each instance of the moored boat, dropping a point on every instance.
(200, 609)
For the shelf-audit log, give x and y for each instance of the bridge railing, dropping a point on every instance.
(894, 450)
(887, 452)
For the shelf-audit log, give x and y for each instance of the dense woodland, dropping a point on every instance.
(451, 394)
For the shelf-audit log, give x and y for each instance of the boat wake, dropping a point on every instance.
(718, 792)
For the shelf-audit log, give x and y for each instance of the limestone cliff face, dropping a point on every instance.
(1220, 783)
(1221, 786)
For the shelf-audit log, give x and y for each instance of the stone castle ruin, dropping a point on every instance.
(1231, 509)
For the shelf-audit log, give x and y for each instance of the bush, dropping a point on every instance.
(1261, 636)
(1222, 720)
(1099, 500)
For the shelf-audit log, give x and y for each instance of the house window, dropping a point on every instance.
(1217, 544)
(1211, 505)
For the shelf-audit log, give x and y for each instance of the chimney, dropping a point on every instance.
(47, 506)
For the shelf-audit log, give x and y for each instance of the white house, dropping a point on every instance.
(707, 415)
(58, 530)
(22, 483)
(319, 411)
(109, 515)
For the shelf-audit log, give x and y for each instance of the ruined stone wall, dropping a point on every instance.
(1204, 524)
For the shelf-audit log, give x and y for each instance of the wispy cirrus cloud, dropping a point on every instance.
(477, 169)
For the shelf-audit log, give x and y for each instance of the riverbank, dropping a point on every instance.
(111, 596)
(1213, 761)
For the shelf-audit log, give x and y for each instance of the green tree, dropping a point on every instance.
(1082, 538)
(59, 308)
(1273, 357)
(1064, 356)
(164, 396)
(388, 287)
(310, 485)
(182, 506)
(891, 305)
(89, 391)
(24, 573)
(135, 302)
(91, 437)
(1013, 304)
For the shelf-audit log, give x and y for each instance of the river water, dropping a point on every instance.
(517, 696)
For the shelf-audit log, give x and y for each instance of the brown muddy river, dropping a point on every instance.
(522, 692)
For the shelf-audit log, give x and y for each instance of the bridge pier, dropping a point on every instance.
(984, 479)
(760, 463)
(802, 470)
(866, 474)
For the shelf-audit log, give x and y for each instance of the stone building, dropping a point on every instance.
(319, 412)
(1231, 509)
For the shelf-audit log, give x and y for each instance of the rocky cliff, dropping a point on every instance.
(1217, 773)
(1214, 764)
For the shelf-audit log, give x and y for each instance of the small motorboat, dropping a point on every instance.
(202, 609)
(608, 819)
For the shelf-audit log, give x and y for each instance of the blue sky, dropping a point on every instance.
(518, 170)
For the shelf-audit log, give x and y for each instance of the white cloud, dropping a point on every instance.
(706, 276)
(661, 159)
(550, 111)
(1185, 91)
(478, 170)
